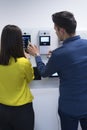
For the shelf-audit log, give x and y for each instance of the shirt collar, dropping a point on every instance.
(71, 39)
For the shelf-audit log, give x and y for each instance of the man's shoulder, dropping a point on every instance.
(59, 50)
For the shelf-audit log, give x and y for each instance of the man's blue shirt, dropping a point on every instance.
(70, 62)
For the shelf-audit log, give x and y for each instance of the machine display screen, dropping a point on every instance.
(44, 40)
(26, 39)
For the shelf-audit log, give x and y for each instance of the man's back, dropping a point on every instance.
(73, 76)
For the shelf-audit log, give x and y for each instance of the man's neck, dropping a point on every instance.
(66, 36)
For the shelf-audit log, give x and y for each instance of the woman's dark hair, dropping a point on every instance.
(11, 44)
(66, 20)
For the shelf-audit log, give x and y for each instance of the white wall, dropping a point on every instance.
(34, 15)
(46, 109)
(37, 13)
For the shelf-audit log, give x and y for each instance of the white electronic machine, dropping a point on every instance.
(44, 41)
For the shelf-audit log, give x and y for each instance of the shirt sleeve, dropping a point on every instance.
(48, 69)
(29, 72)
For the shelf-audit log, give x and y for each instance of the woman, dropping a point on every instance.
(16, 72)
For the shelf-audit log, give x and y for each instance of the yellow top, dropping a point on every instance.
(14, 82)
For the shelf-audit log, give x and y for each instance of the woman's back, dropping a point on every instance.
(14, 79)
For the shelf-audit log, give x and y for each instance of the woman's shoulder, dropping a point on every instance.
(23, 60)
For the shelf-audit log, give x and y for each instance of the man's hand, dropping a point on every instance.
(49, 54)
(33, 50)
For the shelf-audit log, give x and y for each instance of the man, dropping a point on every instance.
(70, 62)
